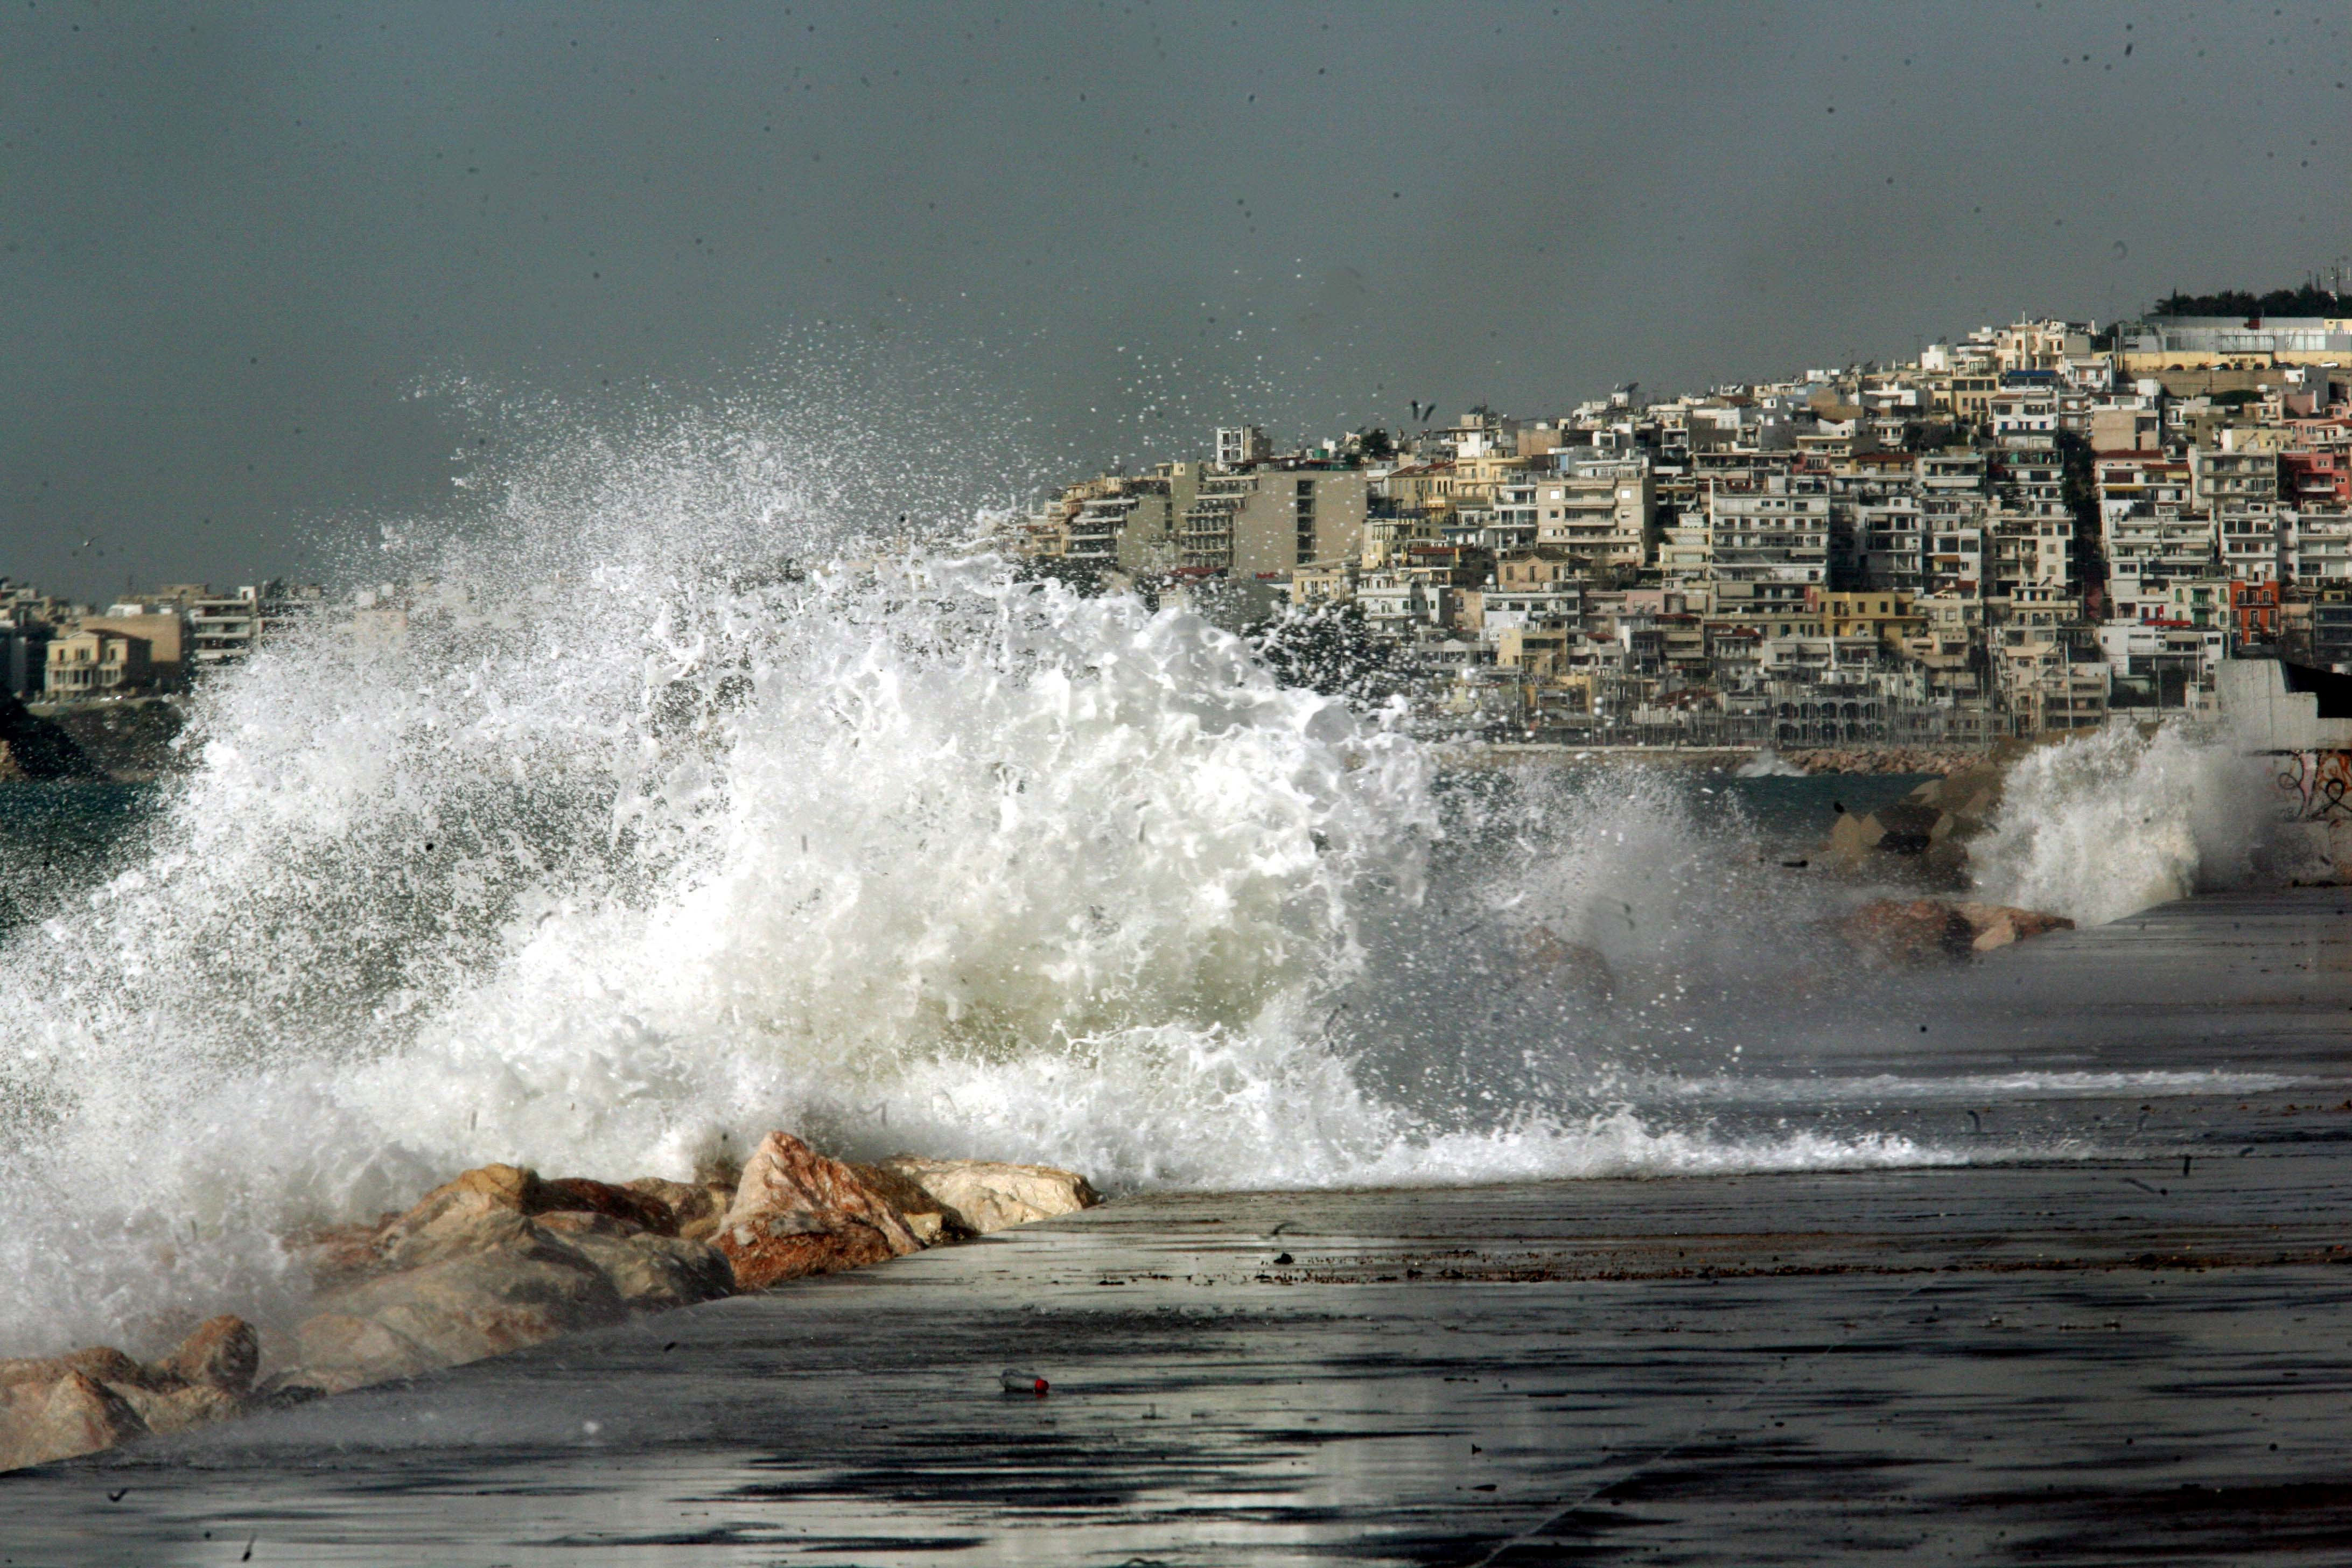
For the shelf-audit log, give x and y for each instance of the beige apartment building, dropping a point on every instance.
(96, 662)
(1602, 511)
(1270, 522)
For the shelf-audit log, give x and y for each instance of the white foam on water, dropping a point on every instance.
(2115, 821)
(1767, 764)
(1957, 1088)
(681, 812)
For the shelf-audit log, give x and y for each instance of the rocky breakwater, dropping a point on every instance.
(1922, 841)
(1899, 932)
(1882, 760)
(1922, 838)
(501, 1257)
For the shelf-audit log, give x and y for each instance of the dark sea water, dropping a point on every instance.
(1795, 814)
(55, 837)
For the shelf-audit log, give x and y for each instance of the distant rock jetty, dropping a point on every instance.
(1884, 760)
(1814, 760)
(501, 1257)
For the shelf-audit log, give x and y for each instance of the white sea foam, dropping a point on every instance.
(1955, 1089)
(679, 815)
(2115, 821)
(1769, 764)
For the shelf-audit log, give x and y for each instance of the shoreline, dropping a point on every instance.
(499, 1259)
(1513, 1370)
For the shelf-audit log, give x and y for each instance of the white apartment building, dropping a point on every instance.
(1767, 543)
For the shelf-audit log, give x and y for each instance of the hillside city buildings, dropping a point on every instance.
(2029, 529)
(55, 651)
(2035, 528)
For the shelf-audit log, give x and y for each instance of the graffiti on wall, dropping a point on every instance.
(2316, 785)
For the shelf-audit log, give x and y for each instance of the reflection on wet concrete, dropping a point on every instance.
(2133, 1350)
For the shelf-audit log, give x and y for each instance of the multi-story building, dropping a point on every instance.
(2254, 541)
(1272, 519)
(1241, 444)
(94, 662)
(2321, 477)
(24, 657)
(2233, 479)
(2317, 550)
(224, 629)
(1891, 540)
(1131, 523)
(1599, 508)
(1768, 545)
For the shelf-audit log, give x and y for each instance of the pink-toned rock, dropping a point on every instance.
(1999, 925)
(785, 1174)
(797, 1211)
(79, 1415)
(769, 1246)
(989, 1194)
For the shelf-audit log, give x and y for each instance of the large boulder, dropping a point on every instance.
(494, 1260)
(452, 1218)
(785, 1174)
(102, 1363)
(47, 1411)
(696, 1208)
(1970, 796)
(769, 1246)
(336, 1352)
(75, 1414)
(177, 1408)
(797, 1211)
(652, 1272)
(932, 1221)
(222, 1354)
(1922, 838)
(989, 1195)
(1898, 932)
(500, 1285)
(1999, 925)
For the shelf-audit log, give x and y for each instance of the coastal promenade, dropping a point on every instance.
(2122, 1335)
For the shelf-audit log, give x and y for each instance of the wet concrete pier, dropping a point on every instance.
(2125, 1337)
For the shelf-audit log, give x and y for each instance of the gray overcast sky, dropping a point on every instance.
(238, 238)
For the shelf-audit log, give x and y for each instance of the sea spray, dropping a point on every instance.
(2103, 824)
(660, 806)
